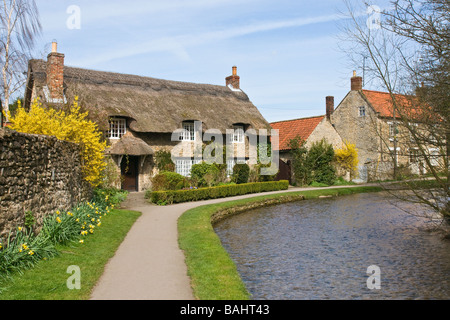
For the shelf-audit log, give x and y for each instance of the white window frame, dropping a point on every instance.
(238, 134)
(391, 150)
(184, 166)
(414, 155)
(434, 156)
(362, 111)
(188, 132)
(117, 128)
(231, 163)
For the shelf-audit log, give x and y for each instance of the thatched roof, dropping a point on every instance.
(152, 105)
(130, 145)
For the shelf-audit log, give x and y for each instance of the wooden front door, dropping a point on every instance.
(284, 172)
(130, 172)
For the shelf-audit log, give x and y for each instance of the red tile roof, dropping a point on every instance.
(382, 102)
(290, 129)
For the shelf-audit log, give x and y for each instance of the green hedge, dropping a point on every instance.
(178, 196)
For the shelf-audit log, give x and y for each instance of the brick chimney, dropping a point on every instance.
(330, 106)
(356, 82)
(233, 79)
(55, 74)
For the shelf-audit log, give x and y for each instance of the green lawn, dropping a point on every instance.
(213, 274)
(47, 280)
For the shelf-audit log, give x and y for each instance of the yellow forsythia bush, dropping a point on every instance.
(347, 157)
(72, 126)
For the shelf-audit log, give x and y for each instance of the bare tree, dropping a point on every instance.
(406, 53)
(19, 26)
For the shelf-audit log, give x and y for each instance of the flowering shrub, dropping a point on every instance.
(24, 248)
(347, 157)
(72, 126)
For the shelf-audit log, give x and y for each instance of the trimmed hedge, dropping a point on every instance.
(178, 196)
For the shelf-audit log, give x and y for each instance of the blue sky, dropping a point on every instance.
(286, 52)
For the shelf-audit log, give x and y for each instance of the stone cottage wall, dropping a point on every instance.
(40, 174)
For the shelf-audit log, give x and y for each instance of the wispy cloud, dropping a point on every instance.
(178, 44)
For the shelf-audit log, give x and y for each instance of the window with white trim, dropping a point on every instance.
(184, 166)
(413, 155)
(188, 133)
(117, 128)
(230, 166)
(238, 135)
(362, 111)
(231, 163)
(434, 156)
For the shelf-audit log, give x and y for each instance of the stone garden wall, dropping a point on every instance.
(40, 174)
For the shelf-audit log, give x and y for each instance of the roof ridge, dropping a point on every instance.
(130, 75)
(312, 117)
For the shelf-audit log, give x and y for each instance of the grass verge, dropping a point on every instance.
(47, 280)
(213, 274)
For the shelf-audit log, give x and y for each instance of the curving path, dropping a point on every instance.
(149, 265)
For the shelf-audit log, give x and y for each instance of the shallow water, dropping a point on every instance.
(321, 249)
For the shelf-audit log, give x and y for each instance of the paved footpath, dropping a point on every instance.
(149, 265)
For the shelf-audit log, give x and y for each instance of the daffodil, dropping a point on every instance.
(31, 252)
(81, 241)
(20, 228)
(58, 219)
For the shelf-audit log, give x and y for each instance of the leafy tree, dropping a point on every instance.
(70, 126)
(241, 173)
(302, 174)
(319, 161)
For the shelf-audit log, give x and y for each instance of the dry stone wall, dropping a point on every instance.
(40, 174)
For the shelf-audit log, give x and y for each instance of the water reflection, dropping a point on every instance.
(321, 249)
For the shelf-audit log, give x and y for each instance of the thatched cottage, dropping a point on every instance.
(140, 114)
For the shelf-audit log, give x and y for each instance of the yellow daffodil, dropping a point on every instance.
(91, 230)
(30, 252)
(20, 228)
(58, 219)
(81, 241)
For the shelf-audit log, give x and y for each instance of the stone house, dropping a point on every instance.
(141, 115)
(310, 130)
(367, 119)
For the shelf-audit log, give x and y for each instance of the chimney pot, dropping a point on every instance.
(54, 47)
(234, 79)
(356, 82)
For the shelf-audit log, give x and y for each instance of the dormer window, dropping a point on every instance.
(238, 135)
(188, 133)
(117, 128)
